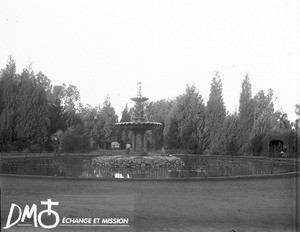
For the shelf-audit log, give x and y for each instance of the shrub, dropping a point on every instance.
(10, 148)
(35, 148)
(73, 142)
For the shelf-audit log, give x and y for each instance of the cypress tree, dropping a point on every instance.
(246, 113)
(215, 115)
(185, 122)
(8, 102)
(230, 135)
(190, 113)
(31, 121)
(171, 130)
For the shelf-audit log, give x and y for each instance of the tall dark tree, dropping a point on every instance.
(230, 135)
(191, 114)
(185, 122)
(8, 102)
(31, 121)
(171, 130)
(246, 114)
(56, 117)
(215, 115)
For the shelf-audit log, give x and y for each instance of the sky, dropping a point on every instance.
(106, 47)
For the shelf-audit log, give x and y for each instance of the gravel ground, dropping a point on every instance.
(267, 204)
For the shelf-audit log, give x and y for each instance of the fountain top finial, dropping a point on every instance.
(140, 89)
(139, 97)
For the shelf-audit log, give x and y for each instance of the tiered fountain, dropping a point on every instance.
(138, 159)
(139, 124)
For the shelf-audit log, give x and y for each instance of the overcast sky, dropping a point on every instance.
(105, 47)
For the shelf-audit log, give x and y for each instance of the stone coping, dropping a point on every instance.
(42, 155)
(232, 178)
(17, 155)
(240, 157)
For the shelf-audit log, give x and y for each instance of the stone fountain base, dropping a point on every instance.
(138, 162)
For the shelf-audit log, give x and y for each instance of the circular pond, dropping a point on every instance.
(194, 167)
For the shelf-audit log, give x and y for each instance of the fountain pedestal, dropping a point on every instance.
(139, 142)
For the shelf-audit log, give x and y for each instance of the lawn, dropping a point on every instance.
(229, 205)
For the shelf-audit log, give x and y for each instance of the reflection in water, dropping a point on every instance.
(118, 175)
(195, 166)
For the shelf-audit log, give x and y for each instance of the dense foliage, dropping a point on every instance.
(184, 124)
(33, 112)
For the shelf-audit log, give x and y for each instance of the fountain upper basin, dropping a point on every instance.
(139, 125)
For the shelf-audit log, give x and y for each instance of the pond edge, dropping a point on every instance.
(241, 177)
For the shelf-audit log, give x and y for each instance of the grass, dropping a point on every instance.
(239, 205)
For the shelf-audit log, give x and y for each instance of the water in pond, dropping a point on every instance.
(195, 166)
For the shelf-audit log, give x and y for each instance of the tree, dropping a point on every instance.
(157, 112)
(8, 102)
(171, 130)
(185, 123)
(56, 117)
(246, 113)
(106, 129)
(125, 115)
(215, 115)
(31, 110)
(191, 114)
(90, 116)
(74, 140)
(263, 102)
(124, 134)
(297, 126)
(44, 83)
(69, 99)
(264, 120)
(31, 120)
(230, 135)
(297, 109)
